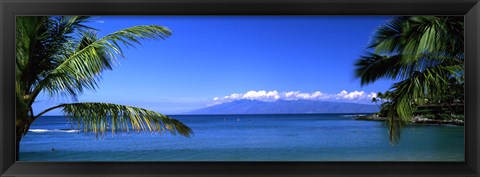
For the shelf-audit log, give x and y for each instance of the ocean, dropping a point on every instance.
(302, 137)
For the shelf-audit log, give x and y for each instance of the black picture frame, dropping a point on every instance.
(10, 8)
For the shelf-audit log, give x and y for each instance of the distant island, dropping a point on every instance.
(286, 107)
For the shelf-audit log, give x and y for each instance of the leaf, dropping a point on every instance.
(423, 53)
(81, 69)
(99, 117)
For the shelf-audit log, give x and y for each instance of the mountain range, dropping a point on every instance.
(286, 107)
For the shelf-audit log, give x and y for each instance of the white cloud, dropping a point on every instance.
(262, 95)
(342, 93)
(354, 95)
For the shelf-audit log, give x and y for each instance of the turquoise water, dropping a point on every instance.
(307, 137)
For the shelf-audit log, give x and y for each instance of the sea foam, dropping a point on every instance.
(54, 130)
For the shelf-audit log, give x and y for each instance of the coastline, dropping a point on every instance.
(415, 120)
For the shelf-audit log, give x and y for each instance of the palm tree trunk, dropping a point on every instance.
(20, 132)
(22, 124)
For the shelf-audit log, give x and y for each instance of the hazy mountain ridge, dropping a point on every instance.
(286, 107)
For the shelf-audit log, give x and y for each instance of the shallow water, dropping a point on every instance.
(307, 137)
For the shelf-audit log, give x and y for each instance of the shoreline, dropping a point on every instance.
(416, 120)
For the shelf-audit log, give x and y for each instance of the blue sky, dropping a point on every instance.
(213, 59)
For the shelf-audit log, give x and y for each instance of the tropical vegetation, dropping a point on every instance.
(425, 56)
(61, 56)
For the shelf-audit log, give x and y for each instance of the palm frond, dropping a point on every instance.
(388, 38)
(425, 53)
(68, 24)
(422, 35)
(433, 81)
(371, 67)
(417, 35)
(30, 33)
(407, 94)
(394, 129)
(81, 69)
(41, 41)
(101, 117)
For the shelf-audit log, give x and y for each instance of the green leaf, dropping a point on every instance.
(423, 53)
(99, 117)
(82, 69)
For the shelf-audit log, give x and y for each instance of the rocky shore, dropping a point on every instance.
(414, 120)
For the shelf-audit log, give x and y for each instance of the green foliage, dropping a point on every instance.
(98, 117)
(384, 109)
(81, 68)
(425, 55)
(61, 56)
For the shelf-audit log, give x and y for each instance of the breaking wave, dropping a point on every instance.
(54, 130)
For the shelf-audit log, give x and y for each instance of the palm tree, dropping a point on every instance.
(422, 53)
(61, 56)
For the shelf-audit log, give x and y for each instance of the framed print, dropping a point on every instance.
(254, 88)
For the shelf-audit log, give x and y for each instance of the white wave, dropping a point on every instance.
(54, 130)
(38, 130)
